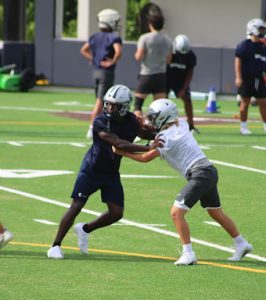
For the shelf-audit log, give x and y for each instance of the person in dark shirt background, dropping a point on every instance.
(180, 73)
(103, 50)
(118, 127)
(250, 67)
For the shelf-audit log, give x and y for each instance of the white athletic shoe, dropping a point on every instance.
(241, 251)
(82, 238)
(137, 139)
(55, 253)
(5, 238)
(187, 258)
(245, 131)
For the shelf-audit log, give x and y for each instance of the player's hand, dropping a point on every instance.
(157, 143)
(238, 82)
(117, 151)
(108, 62)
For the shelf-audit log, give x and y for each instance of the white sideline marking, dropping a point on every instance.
(79, 145)
(45, 222)
(145, 176)
(42, 109)
(212, 223)
(22, 173)
(128, 222)
(152, 225)
(218, 162)
(15, 144)
(259, 147)
(72, 103)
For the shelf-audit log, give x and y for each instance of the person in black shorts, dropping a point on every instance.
(154, 52)
(250, 68)
(103, 50)
(116, 126)
(179, 75)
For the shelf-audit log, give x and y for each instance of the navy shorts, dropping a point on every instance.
(201, 186)
(151, 84)
(103, 79)
(88, 182)
(253, 87)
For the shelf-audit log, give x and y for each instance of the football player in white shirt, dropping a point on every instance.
(181, 151)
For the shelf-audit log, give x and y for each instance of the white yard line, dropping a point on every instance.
(212, 223)
(218, 162)
(36, 109)
(46, 222)
(128, 222)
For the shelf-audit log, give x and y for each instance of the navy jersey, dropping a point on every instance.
(100, 156)
(177, 69)
(101, 45)
(253, 58)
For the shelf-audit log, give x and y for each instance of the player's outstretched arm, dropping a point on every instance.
(141, 157)
(121, 144)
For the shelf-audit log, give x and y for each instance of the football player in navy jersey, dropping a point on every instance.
(118, 127)
(180, 73)
(103, 50)
(250, 68)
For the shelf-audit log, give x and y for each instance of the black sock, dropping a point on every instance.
(85, 228)
(56, 244)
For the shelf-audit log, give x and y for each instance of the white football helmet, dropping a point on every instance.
(122, 97)
(161, 112)
(254, 26)
(108, 18)
(181, 44)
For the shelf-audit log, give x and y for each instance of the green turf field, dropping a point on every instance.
(134, 258)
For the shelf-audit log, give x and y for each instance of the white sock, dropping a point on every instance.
(239, 240)
(243, 124)
(187, 248)
(264, 126)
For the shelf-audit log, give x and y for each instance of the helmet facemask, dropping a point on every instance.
(117, 102)
(161, 112)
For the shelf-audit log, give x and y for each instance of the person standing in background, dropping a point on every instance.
(154, 50)
(250, 67)
(180, 73)
(103, 50)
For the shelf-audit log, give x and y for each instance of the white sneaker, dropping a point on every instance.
(241, 251)
(5, 238)
(245, 131)
(55, 253)
(187, 258)
(89, 134)
(137, 139)
(82, 238)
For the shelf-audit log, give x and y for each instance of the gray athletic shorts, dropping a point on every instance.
(103, 79)
(201, 186)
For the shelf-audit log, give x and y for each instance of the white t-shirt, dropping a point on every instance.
(180, 149)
